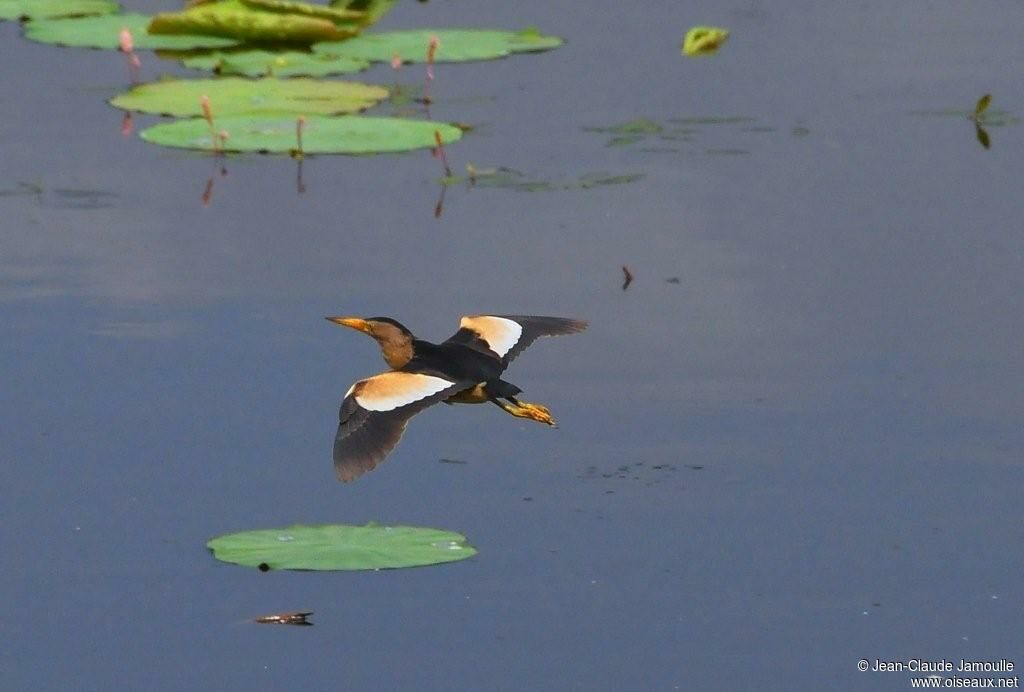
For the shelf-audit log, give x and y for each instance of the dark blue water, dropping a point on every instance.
(794, 442)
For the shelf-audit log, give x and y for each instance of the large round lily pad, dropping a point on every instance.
(105, 32)
(261, 63)
(320, 135)
(456, 45)
(50, 9)
(341, 547)
(234, 96)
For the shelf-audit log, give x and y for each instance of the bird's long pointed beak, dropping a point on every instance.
(357, 323)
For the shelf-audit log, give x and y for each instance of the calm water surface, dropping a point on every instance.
(795, 441)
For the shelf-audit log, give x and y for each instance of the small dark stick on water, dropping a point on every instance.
(627, 277)
(285, 619)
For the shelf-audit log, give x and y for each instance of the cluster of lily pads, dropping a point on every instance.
(269, 59)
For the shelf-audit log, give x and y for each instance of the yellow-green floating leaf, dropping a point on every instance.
(456, 45)
(51, 9)
(372, 10)
(982, 105)
(320, 135)
(334, 14)
(341, 547)
(261, 63)
(236, 20)
(105, 31)
(235, 96)
(704, 40)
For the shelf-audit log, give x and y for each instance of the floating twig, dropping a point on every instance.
(286, 619)
(627, 277)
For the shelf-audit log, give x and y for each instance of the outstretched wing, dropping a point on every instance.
(375, 412)
(506, 336)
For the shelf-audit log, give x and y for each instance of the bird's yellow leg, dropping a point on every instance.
(524, 409)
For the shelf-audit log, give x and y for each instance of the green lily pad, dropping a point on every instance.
(704, 40)
(456, 45)
(51, 9)
(237, 20)
(261, 63)
(341, 547)
(105, 31)
(235, 96)
(320, 135)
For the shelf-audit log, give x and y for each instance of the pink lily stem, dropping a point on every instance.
(432, 47)
(439, 152)
(218, 139)
(127, 46)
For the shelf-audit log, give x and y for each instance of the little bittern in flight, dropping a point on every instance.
(465, 369)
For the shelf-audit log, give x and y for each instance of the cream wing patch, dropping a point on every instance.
(392, 390)
(499, 333)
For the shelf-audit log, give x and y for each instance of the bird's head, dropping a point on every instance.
(394, 339)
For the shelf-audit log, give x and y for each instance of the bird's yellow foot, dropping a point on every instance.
(524, 409)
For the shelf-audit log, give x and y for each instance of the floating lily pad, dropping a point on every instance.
(261, 63)
(320, 135)
(105, 31)
(237, 20)
(341, 547)
(456, 45)
(704, 40)
(51, 9)
(234, 96)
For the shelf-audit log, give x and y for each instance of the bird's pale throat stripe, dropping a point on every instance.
(499, 333)
(391, 390)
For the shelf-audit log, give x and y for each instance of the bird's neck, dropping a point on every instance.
(397, 354)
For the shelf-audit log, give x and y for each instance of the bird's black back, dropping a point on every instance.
(455, 361)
